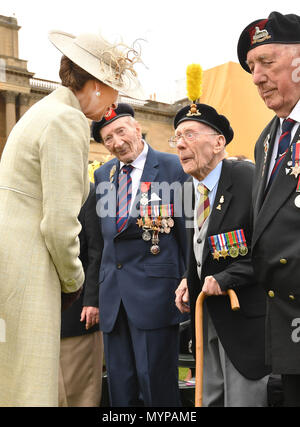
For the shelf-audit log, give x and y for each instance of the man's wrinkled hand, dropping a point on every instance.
(182, 297)
(90, 315)
(212, 287)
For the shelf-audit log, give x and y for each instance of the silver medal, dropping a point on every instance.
(146, 236)
(297, 202)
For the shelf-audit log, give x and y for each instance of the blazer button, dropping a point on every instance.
(283, 261)
(119, 266)
(271, 294)
(291, 297)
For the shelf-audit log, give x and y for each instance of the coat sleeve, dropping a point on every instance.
(63, 157)
(94, 247)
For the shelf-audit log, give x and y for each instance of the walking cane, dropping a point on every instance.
(234, 302)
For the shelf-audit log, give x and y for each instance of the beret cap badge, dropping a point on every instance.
(193, 111)
(260, 34)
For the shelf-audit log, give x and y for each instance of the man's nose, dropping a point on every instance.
(258, 75)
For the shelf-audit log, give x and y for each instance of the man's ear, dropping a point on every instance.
(220, 143)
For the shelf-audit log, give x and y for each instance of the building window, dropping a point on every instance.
(2, 70)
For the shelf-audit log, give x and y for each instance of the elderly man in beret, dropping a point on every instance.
(219, 259)
(143, 260)
(269, 49)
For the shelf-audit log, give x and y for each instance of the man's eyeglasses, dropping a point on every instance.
(188, 136)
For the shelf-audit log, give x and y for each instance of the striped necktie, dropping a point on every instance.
(124, 196)
(283, 147)
(203, 205)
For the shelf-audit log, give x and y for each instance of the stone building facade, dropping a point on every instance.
(19, 90)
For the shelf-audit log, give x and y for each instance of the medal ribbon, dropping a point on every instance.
(157, 210)
(211, 243)
(243, 237)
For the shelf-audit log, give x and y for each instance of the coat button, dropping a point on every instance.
(271, 294)
(291, 297)
(119, 266)
(283, 261)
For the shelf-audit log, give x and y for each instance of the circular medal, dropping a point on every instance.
(170, 222)
(146, 236)
(167, 230)
(297, 202)
(155, 249)
(144, 200)
(243, 250)
(164, 223)
(234, 252)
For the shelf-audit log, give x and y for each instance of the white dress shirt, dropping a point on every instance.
(295, 115)
(137, 171)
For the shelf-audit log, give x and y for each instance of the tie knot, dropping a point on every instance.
(287, 125)
(202, 189)
(127, 169)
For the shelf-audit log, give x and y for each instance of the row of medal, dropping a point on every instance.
(154, 220)
(232, 243)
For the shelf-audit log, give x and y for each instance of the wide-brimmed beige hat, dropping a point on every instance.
(112, 64)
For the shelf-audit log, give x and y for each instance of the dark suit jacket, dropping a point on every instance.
(241, 332)
(91, 244)
(144, 282)
(276, 253)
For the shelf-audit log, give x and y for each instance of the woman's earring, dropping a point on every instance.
(98, 93)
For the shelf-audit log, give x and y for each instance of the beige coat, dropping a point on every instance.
(43, 184)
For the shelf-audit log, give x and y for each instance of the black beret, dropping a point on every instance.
(277, 28)
(123, 110)
(207, 115)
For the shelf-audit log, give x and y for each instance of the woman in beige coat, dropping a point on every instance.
(43, 184)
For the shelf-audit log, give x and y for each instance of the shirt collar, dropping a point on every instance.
(212, 179)
(295, 114)
(139, 162)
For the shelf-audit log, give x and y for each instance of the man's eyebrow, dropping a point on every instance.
(261, 57)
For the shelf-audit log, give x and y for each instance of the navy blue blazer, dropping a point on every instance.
(145, 283)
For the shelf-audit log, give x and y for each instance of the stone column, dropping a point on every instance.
(10, 99)
(24, 103)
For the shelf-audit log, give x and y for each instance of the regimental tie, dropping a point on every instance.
(124, 196)
(283, 147)
(203, 205)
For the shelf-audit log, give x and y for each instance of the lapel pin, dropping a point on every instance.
(219, 208)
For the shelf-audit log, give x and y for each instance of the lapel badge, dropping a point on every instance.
(222, 199)
(219, 208)
(266, 150)
(111, 175)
